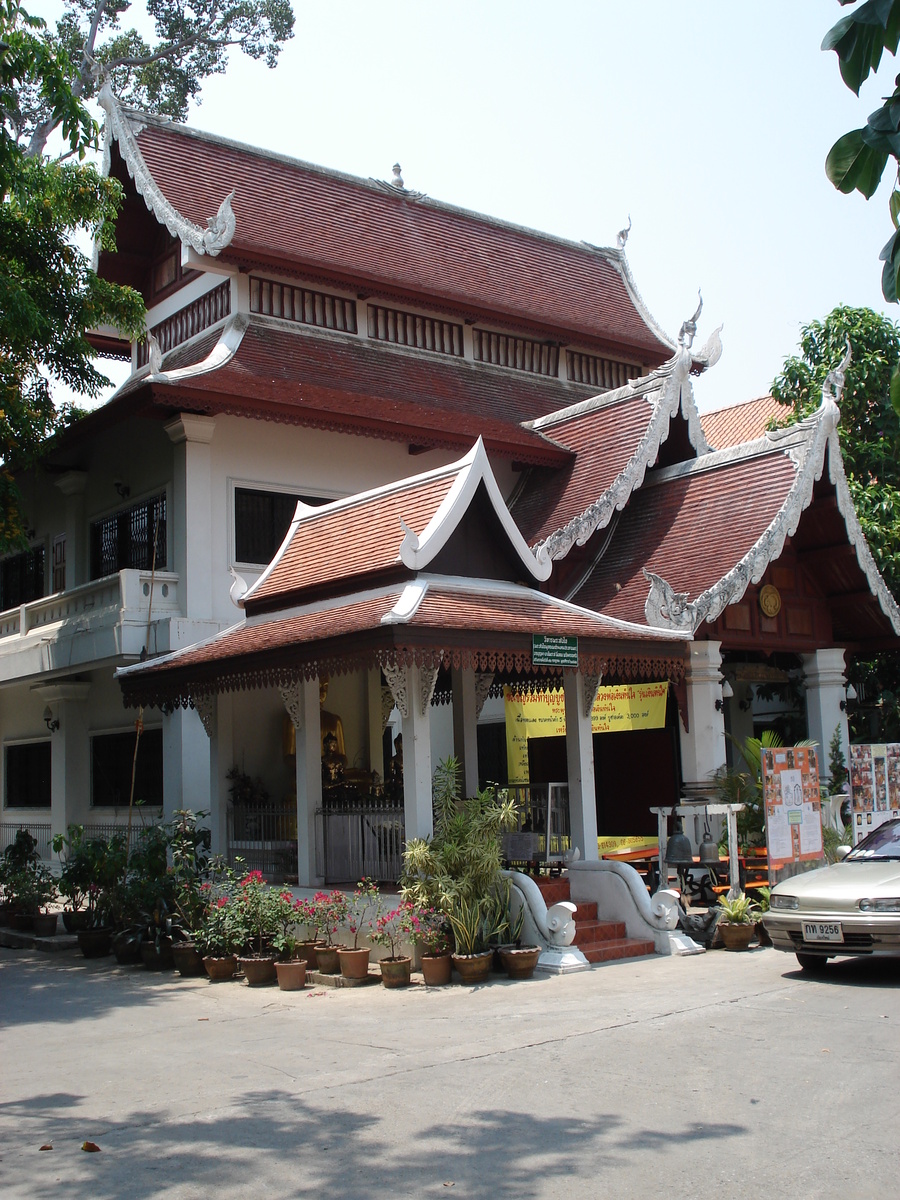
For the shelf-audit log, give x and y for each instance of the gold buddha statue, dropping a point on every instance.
(330, 725)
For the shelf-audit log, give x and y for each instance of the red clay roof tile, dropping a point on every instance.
(740, 423)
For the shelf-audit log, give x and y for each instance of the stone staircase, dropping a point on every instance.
(599, 941)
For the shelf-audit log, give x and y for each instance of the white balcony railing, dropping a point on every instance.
(128, 592)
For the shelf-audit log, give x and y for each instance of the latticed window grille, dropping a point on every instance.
(520, 354)
(602, 373)
(261, 519)
(125, 539)
(302, 305)
(411, 329)
(22, 578)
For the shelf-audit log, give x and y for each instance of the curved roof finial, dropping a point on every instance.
(622, 235)
(689, 328)
(834, 380)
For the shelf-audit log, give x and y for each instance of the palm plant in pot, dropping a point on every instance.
(458, 870)
(74, 876)
(737, 921)
(518, 961)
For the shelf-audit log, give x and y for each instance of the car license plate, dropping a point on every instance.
(822, 931)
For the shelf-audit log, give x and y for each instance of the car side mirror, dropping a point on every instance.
(842, 852)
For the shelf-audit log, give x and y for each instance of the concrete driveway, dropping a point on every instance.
(723, 1075)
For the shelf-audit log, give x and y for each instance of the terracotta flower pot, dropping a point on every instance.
(473, 968)
(45, 924)
(220, 967)
(736, 937)
(519, 961)
(21, 922)
(75, 919)
(437, 969)
(95, 943)
(354, 963)
(307, 952)
(291, 974)
(259, 971)
(327, 960)
(126, 948)
(157, 957)
(187, 958)
(395, 972)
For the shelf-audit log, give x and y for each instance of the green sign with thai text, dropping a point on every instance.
(550, 651)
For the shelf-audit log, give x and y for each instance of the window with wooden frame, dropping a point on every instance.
(261, 519)
(126, 538)
(112, 759)
(22, 578)
(27, 774)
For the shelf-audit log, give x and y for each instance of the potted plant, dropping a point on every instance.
(258, 906)
(330, 911)
(291, 967)
(105, 860)
(432, 934)
(763, 895)
(518, 961)
(74, 876)
(308, 917)
(189, 843)
(18, 865)
(363, 910)
(392, 930)
(458, 870)
(737, 922)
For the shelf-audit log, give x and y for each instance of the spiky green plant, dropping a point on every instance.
(457, 870)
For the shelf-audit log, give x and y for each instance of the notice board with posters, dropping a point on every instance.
(874, 786)
(790, 781)
(543, 714)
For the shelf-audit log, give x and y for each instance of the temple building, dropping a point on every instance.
(447, 465)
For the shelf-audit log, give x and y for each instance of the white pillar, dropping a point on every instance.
(416, 729)
(580, 757)
(703, 744)
(191, 512)
(302, 703)
(72, 486)
(465, 726)
(70, 766)
(825, 689)
(186, 762)
(221, 759)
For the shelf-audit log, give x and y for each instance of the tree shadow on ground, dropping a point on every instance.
(275, 1143)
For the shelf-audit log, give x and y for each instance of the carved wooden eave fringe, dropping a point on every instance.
(177, 689)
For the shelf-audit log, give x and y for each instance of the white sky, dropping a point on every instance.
(708, 122)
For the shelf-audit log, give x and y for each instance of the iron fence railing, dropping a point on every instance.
(354, 841)
(544, 831)
(40, 831)
(264, 838)
(108, 829)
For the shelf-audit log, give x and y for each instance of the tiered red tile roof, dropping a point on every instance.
(333, 382)
(739, 423)
(306, 219)
(691, 528)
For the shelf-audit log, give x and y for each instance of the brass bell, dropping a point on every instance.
(709, 851)
(679, 852)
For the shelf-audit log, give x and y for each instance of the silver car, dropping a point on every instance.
(850, 907)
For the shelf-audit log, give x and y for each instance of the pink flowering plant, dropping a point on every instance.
(288, 912)
(330, 911)
(261, 908)
(363, 909)
(309, 917)
(221, 930)
(432, 932)
(395, 928)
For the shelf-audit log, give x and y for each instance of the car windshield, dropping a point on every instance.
(883, 843)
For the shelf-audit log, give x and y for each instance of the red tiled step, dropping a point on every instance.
(554, 890)
(618, 948)
(586, 911)
(588, 933)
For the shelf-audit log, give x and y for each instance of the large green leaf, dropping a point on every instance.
(852, 164)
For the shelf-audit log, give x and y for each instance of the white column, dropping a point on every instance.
(302, 703)
(70, 767)
(186, 762)
(72, 486)
(416, 730)
(703, 744)
(221, 759)
(465, 726)
(580, 757)
(191, 512)
(825, 689)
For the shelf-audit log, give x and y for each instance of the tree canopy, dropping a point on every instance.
(857, 160)
(49, 296)
(191, 43)
(870, 445)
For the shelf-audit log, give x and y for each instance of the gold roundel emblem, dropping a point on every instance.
(770, 600)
